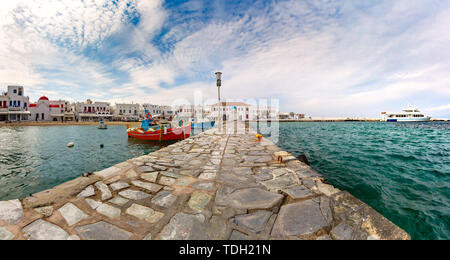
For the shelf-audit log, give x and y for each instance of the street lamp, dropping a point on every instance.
(219, 83)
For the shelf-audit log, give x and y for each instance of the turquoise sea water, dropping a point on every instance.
(400, 169)
(35, 158)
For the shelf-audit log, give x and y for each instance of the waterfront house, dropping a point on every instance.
(14, 105)
(230, 111)
(166, 112)
(92, 111)
(126, 112)
(47, 110)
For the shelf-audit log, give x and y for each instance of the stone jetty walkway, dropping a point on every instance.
(210, 186)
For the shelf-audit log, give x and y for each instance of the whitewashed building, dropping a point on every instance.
(14, 105)
(92, 111)
(126, 112)
(158, 110)
(55, 110)
(231, 111)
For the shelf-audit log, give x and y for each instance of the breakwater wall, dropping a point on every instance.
(215, 185)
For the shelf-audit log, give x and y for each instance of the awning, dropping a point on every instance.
(15, 113)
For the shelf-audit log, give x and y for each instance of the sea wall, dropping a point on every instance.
(225, 185)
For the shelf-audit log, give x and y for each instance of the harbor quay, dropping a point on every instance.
(226, 183)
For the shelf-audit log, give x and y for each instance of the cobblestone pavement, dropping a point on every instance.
(210, 186)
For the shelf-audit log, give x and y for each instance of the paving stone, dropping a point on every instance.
(223, 195)
(343, 231)
(166, 181)
(199, 200)
(154, 188)
(144, 213)
(279, 183)
(72, 214)
(208, 175)
(43, 230)
(170, 174)
(299, 192)
(254, 221)
(119, 185)
(326, 189)
(324, 237)
(184, 182)
(46, 211)
(109, 211)
(73, 237)
(181, 227)
(111, 180)
(106, 173)
(159, 167)
(93, 203)
(297, 219)
(118, 201)
(5, 234)
(254, 198)
(236, 235)
(146, 169)
(164, 199)
(208, 186)
(104, 190)
(188, 172)
(150, 176)
(87, 192)
(148, 237)
(131, 174)
(103, 231)
(134, 194)
(310, 184)
(11, 211)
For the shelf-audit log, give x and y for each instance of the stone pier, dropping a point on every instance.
(221, 186)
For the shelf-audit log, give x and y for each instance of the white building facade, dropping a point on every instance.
(126, 112)
(158, 110)
(56, 110)
(14, 105)
(92, 111)
(231, 111)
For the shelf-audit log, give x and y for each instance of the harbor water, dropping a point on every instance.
(36, 158)
(400, 169)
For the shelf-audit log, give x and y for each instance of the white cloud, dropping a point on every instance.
(323, 58)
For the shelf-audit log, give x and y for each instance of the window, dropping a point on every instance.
(20, 92)
(15, 91)
(18, 103)
(15, 104)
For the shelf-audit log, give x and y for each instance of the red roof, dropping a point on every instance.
(43, 98)
(32, 105)
(54, 106)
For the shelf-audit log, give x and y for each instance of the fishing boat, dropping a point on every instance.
(410, 114)
(154, 131)
(102, 125)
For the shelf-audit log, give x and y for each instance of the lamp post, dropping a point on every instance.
(219, 83)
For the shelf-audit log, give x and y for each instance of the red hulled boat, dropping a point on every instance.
(153, 131)
(155, 134)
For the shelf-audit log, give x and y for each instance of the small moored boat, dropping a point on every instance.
(150, 130)
(102, 125)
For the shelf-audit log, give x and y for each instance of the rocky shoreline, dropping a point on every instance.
(211, 186)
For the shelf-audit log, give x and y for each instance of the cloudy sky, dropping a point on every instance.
(319, 57)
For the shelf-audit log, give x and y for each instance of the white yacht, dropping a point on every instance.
(410, 114)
